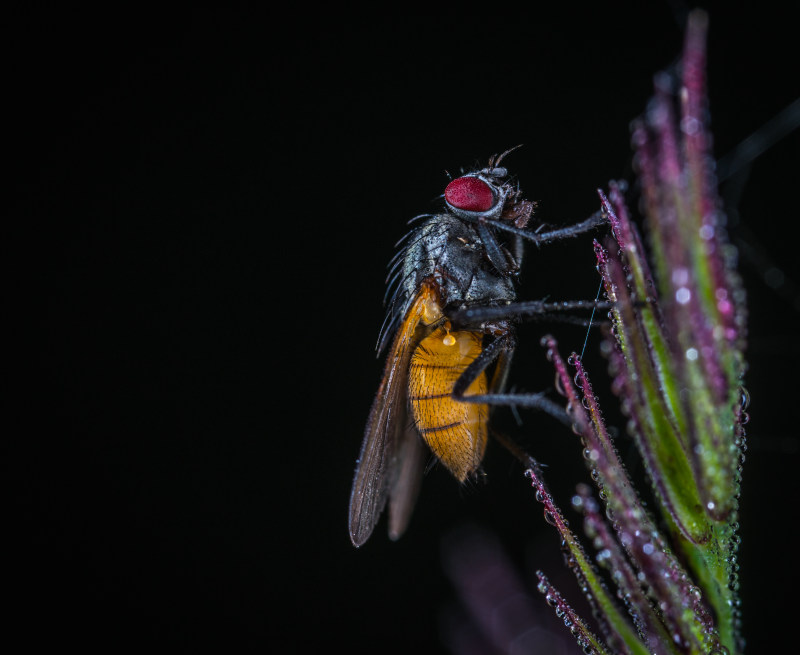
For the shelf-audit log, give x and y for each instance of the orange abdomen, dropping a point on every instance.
(456, 432)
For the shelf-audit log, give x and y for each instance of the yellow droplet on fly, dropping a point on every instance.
(449, 339)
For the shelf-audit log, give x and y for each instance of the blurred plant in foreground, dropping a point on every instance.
(675, 353)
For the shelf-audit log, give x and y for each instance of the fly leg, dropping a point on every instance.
(505, 262)
(501, 350)
(595, 220)
(508, 263)
(530, 309)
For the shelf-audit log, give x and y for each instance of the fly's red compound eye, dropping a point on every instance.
(470, 194)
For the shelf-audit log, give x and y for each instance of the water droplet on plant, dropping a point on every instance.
(690, 125)
(707, 232)
(680, 276)
(724, 306)
(744, 399)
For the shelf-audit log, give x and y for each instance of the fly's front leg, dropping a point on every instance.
(502, 348)
(517, 250)
(505, 263)
(541, 238)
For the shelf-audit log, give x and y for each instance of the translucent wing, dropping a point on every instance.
(388, 452)
(404, 488)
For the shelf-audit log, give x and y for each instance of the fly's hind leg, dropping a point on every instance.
(501, 349)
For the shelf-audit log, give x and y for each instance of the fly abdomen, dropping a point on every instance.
(455, 431)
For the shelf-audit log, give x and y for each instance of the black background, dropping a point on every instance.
(200, 212)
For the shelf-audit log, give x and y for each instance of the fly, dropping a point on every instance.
(450, 337)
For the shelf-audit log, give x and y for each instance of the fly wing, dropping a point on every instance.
(408, 478)
(370, 485)
(385, 428)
